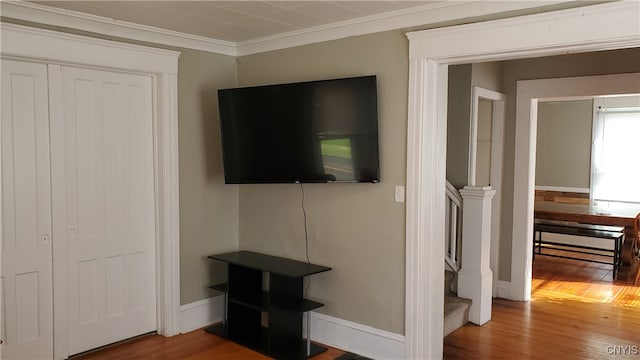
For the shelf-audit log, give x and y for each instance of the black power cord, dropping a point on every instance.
(306, 235)
(306, 239)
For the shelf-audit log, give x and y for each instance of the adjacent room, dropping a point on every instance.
(570, 268)
(298, 179)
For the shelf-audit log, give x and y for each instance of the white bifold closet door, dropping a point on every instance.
(26, 277)
(103, 196)
(78, 215)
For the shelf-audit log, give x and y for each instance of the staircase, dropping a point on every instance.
(456, 310)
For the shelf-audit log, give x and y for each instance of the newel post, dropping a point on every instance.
(475, 277)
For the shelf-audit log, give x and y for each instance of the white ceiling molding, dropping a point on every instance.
(45, 45)
(416, 16)
(102, 25)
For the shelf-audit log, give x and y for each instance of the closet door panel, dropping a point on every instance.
(26, 277)
(110, 216)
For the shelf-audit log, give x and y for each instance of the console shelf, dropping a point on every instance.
(246, 301)
(220, 287)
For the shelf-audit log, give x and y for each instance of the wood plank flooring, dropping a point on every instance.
(196, 345)
(576, 312)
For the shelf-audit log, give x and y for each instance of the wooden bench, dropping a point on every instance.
(614, 233)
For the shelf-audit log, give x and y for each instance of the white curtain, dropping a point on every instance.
(616, 175)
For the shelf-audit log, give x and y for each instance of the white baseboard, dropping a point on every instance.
(504, 289)
(564, 189)
(201, 313)
(328, 330)
(356, 338)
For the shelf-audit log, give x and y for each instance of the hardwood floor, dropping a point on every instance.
(576, 312)
(196, 345)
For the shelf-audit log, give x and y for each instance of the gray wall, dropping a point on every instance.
(357, 229)
(563, 144)
(488, 75)
(208, 208)
(595, 63)
(458, 120)
(461, 79)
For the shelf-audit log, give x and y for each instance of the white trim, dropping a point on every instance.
(497, 152)
(438, 12)
(430, 53)
(473, 138)
(328, 330)
(528, 93)
(440, 43)
(563, 189)
(428, 14)
(102, 25)
(58, 48)
(201, 313)
(497, 146)
(504, 289)
(167, 203)
(356, 338)
(425, 210)
(46, 45)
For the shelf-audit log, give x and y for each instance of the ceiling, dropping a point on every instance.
(236, 21)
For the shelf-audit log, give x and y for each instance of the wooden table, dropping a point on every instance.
(587, 214)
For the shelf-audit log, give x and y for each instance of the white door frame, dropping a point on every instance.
(38, 45)
(529, 92)
(497, 140)
(430, 53)
(497, 118)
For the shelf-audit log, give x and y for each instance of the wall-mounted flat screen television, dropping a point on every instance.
(307, 132)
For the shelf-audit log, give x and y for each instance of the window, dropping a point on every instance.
(616, 150)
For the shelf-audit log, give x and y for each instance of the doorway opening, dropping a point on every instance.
(431, 52)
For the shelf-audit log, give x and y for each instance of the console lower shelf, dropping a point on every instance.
(284, 304)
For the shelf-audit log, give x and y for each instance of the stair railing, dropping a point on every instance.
(453, 232)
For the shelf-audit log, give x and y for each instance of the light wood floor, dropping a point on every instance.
(196, 345)
(576, 312)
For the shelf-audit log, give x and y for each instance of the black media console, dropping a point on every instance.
(284, 302)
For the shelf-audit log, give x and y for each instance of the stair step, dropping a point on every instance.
(456, 313)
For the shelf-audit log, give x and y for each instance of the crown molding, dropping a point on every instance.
(626, 12)
(98, 24)
(35, 44)
(438, 12)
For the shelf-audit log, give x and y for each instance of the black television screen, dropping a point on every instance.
(308, 132)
